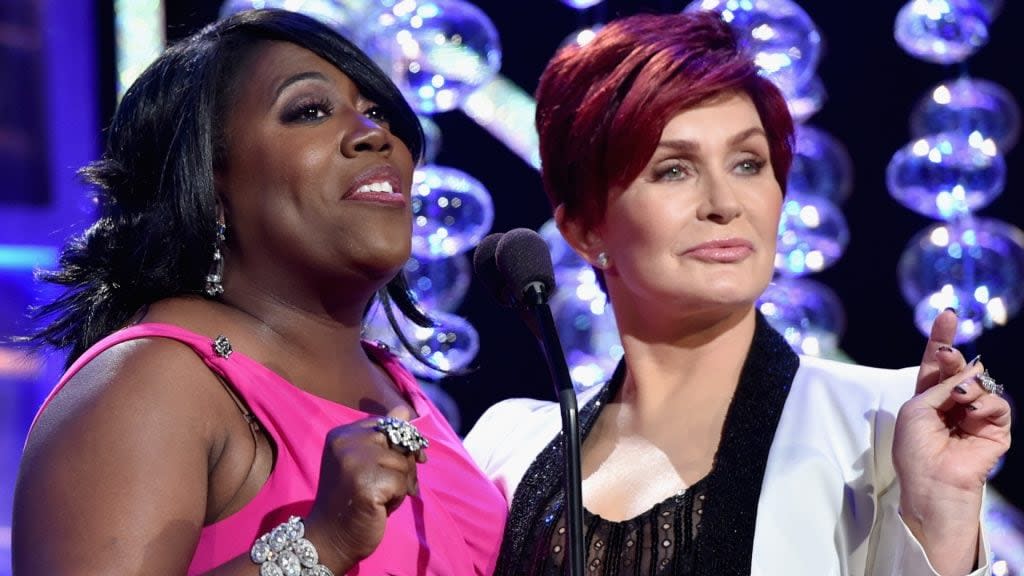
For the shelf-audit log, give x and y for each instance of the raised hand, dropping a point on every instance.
(948, 438)
(363, 479)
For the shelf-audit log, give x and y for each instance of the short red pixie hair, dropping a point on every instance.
(601, 108)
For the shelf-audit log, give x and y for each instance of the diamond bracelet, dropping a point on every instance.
(284, 552)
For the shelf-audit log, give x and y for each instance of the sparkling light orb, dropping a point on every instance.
(946, 175)
(581, 4)
(780, 36)
(975, 265)
(807, 313)
(580, 37)
(432, 140)
(941, 31)
(586, 326)
(812, 235)
(348, 17)
(1005, 523)
(450, 345)
(436, 51)
(968, 105)
(563, 257)
(821, 166)
(806, 100)
(970, 313)
(451, 211)
(439, 283)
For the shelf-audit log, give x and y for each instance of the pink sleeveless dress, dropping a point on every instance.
(453, 528)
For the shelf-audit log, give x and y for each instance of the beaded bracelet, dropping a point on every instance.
(284, 552)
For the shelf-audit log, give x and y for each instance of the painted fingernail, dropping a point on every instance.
(974, 361)
(944, 348)
(959, 389)
(951, 309)
(971, 407)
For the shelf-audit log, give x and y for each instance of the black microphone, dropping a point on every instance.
(486, 267)
(524, 261)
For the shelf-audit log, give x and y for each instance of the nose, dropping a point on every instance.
(363, 135)
(720, 203)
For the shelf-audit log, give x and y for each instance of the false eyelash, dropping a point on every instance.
(297, 112)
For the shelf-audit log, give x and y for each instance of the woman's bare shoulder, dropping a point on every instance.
(133, 383)
(123, 452)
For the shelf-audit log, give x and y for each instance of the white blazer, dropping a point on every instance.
(829, 500)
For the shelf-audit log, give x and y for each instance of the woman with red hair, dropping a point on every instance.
(714, 448)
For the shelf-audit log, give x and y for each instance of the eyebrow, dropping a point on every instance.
(310, 75)
(691, 146)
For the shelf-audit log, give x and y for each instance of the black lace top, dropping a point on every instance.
(708, 529)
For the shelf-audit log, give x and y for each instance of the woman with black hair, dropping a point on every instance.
(220, 412)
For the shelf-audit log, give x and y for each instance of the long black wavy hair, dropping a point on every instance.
(157, 207)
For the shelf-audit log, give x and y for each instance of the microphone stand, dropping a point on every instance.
(536, 298)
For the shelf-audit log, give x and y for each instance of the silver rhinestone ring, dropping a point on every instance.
(989, 383)
(401, 434)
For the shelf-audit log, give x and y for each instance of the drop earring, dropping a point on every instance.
(213, 286)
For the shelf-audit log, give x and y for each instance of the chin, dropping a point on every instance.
(733, 287)
(731, 299)
(378, 266)
(385, 271)
(719, 295)
(385, 253)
